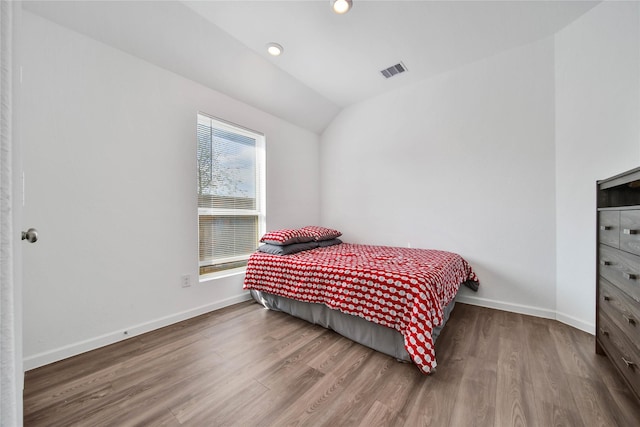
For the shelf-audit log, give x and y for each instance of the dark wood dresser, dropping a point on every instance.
(618, 274)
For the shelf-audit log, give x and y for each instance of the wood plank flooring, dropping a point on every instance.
(247, 366)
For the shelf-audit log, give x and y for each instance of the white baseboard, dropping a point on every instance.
(576, 323)
(55, 355)
(528, 310)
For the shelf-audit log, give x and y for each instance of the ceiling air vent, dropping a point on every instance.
(393, 70)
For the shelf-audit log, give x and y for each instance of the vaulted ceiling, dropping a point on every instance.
(329, 62)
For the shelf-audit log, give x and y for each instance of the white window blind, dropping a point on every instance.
(230, 193)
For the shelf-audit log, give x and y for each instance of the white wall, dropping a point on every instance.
(109, 159)
(498, 161)
(463, 162)
(597, 136)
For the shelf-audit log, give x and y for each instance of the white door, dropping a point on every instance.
(10, 221)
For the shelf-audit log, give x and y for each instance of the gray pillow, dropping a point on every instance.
(325, 243)
(287, 249)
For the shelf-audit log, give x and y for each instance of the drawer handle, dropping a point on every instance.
(629, 319)
(629, 363)
(605, 262)
(630, 276)
(606, 298)
(606, 227)
(604, 332)
(629, 231)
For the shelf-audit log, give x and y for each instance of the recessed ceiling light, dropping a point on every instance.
(274, 49)
(341, 6)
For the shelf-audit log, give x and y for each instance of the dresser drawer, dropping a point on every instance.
(609, 232)
(630, 231)
(622, 352)
(621, 309)
(621, 269)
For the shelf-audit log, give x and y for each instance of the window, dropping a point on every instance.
(231, 194)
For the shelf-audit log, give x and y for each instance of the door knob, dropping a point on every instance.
(31, 235)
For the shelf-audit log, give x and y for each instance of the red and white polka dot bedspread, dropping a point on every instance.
(401, 288)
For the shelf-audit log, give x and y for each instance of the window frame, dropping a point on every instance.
(260, 207)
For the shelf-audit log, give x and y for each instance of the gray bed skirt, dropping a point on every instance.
(380, 338)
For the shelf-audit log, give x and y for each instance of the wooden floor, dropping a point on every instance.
(247, 366)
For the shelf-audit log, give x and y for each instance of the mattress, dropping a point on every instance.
(403, 289)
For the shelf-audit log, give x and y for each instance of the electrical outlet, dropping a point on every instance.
(185, 280)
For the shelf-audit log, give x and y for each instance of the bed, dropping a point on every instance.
(394, 300)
